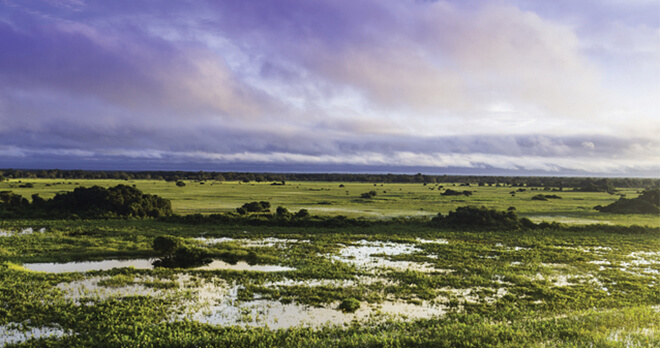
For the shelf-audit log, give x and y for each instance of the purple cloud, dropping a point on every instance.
(388, 83)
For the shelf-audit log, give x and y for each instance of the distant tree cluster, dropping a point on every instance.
(93, 202)
(471, 217)
(549, 183)
(646, 203)
(545, 197)
(450, 192)
(368, 195)
(254, 207)
(284, 214)
(601, 185)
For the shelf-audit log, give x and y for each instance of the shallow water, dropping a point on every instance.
(89, 288)
(88, 265)
(371, 255)
(219, 306)
(143, 264)
(9, 334)
(433, 241)
(24, 232)
(243, 266)
(264, 242)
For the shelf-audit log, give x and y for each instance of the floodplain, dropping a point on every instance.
(394, 279)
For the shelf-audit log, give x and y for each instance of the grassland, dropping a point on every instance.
(410, 284)
(391, 200)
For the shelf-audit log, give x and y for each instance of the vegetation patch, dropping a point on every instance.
(646, 203)
(93, 202)
(541, 197)
(177, 254)
(368, 195)
(450, 192)
(349, 305)
(483, 218)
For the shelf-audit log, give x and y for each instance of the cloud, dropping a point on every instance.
(124, 67)
(506, 84)
(429, 57)
(588, 145)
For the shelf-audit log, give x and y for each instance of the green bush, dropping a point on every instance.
(166, 245)
(349, 305)
(647, 203)
(471, 217)
(368, 195)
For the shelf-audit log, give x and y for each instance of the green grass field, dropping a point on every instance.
(403, 283)
(391, 200)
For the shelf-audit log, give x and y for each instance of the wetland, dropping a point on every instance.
(379, 282)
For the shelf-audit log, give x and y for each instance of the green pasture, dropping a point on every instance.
(334, 198)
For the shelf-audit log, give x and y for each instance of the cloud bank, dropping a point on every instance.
(520, 85)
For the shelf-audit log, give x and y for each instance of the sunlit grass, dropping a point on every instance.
(546, 287)
(391, 200)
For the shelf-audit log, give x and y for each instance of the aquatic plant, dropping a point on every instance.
(349, 305)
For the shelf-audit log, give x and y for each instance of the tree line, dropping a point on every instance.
(575, 183)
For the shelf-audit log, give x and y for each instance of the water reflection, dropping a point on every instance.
(88, 265)
(219, 306)
(144, 264)
(12, 333)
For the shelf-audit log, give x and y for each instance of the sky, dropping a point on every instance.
(511, 87)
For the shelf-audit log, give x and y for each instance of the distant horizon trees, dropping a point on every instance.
(548, 183)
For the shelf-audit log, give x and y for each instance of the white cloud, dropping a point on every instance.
(588, 145)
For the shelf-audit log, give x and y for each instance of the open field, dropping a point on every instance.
(401, 283)
(391, 200)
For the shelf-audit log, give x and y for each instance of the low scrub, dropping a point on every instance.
(471, 217)
(177, 254)
(450, 192)
(647, 203)
(545, 197)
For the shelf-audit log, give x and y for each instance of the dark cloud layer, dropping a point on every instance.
(524, 86)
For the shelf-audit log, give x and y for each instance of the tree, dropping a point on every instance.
(302, 214)
(282, 213)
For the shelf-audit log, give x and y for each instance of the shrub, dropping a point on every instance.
(165, 245)
(450, 192)
(539, 198)
(349, 305)
(282, 213)
(302, 214)
(254, 207)
(482, 218)
(647, 203)
(176, 254)
(368, 195)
